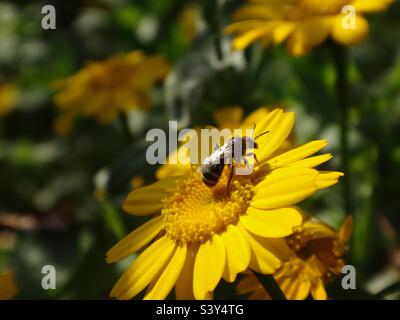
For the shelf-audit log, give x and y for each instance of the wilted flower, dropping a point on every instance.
(318, 258)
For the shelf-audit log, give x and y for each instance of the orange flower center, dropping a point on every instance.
(195, 212)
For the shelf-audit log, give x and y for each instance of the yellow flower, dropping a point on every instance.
(305, 24)
(105, 88)
(199, 235)
(318, 257)
(8, 289)
(8, 98)
(189, 20)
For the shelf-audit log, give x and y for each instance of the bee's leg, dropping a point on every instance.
(228, 187)
(247, 164)
(255, 157)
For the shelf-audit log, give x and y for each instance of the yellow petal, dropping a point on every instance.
(285, 283)
(169, 276)
(237, 253)
(263, 118)
(169, 170)
(184, 284)
(271, 223)
(328, 178)
(244, 40)
(298, 290)
(317, 268)
(350, 36)
(318, 291)
(370, 6)
(279, 125)
(144, 269)
(284, 187)
(178, 162)
(136, 240)
(208, 267)
(312, 161)
(242, 26)
(266, 176)
(296, 154)
(346, 229)
(276, 246)
(282, 32)
(308, 34)
(148, 200)
(255, 116)
(262, 259)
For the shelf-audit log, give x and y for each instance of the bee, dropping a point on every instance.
(212, 167)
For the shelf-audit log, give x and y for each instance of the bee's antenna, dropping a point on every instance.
(261, 134)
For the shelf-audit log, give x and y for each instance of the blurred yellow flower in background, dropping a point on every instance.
(8, 98)
(201, 234)
(318, 258)
(105, 88)
(304, 24)
(8, 288)
(190, 22)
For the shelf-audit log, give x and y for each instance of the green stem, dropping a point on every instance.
(112, 219)
(270, 285)
(213, 10)
(257, 60)
(218, 30)
(341, 61)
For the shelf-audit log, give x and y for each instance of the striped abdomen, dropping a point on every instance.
(211, 173)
